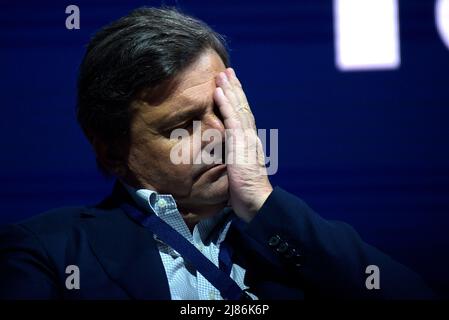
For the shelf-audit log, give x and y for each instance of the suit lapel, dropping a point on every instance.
(127, 251)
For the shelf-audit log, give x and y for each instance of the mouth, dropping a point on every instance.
(215, 167)
(211, 170)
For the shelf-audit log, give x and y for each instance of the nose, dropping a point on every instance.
(212, 121)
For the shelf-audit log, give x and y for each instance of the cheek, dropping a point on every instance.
(168, 159)
(175, 179)
(185, 153)
(176, 175)
(151, 162)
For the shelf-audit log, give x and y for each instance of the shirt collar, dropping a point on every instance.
(164, 206)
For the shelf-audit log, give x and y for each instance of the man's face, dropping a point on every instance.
(191, 99)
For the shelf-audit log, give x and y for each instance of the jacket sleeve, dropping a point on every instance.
(25, 271)
(329, 258)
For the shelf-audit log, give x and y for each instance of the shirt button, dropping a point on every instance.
(283, 247)
(161, 203)
(298, 260)
(211, 295)
(274, 241)
(290, 253)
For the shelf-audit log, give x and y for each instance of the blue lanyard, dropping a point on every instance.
(219, 278)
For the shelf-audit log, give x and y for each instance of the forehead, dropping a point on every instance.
(199, 76)
(194, 86)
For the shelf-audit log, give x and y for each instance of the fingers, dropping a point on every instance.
(228, 89)
(233, 77)
(232, 101)
(230, 73)
(226, 109)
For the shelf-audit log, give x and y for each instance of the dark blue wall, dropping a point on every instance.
(369, 148)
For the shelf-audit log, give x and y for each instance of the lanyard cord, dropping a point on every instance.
(217, 277)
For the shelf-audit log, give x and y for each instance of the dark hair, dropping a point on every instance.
(141, 50)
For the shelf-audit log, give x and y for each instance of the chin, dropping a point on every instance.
(207, 192)
(215, 192)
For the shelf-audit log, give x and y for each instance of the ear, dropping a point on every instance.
(111, 156)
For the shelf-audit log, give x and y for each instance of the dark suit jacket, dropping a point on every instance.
(289, 252)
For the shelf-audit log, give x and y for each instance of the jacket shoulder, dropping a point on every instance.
(52, 221)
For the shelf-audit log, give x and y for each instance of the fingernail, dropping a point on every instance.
(223, 76)
(220, 91)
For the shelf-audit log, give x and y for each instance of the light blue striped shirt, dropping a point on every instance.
(184, 281)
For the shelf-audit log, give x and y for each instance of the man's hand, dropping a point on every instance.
(249, 186)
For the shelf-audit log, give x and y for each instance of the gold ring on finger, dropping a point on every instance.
(244, 107)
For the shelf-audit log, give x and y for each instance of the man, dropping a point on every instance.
(184, 230)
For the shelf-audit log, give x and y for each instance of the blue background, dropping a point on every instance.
(369, 148)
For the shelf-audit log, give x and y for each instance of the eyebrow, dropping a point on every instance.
(184, 115)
